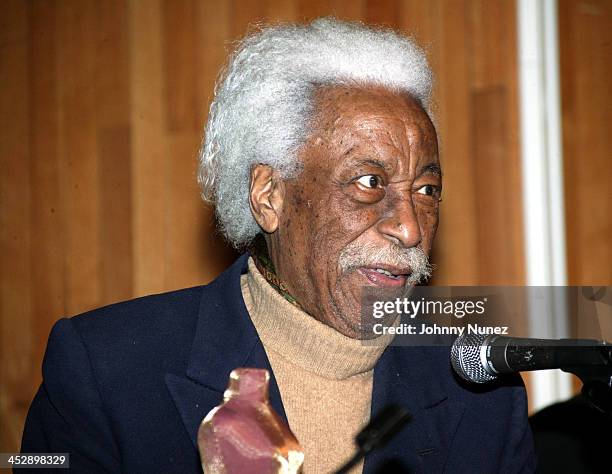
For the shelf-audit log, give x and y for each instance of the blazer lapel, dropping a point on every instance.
(405, 376)
(225, 339)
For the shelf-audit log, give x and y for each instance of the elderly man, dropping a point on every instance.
(321, 159)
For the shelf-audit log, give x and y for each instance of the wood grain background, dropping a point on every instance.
(102, 105)
(586, 70)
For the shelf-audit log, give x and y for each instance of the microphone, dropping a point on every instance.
(388, 422)
(480, 358)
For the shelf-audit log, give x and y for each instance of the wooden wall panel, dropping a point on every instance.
(179, 63)
(103, 104)
(112, 92)
(491, 161)
(384, 12)
(456, 245)
(586, 68)
(495, 149)
(148, 146)
(78, 153)
(586, 100)
(16, 239)
(45, 203)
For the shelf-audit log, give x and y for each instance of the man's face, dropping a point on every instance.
(363, 208)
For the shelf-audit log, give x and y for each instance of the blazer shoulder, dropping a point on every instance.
(149, 331)
(148, 313)
(162, 314)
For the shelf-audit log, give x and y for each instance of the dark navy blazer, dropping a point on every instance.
(125, 388)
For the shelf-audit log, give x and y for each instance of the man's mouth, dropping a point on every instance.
(385, 276)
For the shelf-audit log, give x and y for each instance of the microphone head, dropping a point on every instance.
(466, 358)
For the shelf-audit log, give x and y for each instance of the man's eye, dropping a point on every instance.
(428, 190)
(370, 181)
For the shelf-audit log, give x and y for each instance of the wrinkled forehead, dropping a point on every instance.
(361, 109)
(347, 118)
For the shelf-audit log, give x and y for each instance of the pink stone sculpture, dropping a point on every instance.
(244, 435)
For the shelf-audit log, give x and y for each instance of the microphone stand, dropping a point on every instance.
(596, 380)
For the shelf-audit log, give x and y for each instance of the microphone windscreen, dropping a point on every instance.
(467, 361)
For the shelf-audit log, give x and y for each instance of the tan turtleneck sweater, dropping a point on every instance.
(325, 378)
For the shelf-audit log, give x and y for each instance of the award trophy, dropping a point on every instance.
(244, 435)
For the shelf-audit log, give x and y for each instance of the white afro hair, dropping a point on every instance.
(264, 100)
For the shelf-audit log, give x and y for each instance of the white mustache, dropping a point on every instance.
(357, 255)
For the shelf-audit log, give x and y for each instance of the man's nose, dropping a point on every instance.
(401, 226)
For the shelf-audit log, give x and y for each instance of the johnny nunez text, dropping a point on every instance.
(431, 329)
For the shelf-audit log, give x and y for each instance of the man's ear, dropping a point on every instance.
(266, 197)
